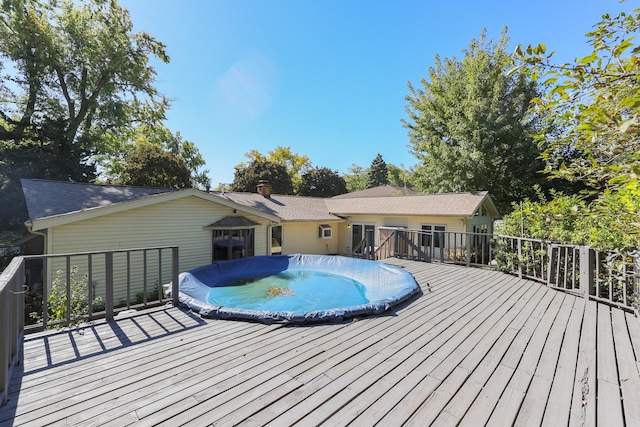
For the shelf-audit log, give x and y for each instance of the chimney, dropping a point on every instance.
(264, 188)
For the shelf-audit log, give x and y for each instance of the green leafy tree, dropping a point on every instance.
(322, 182)
(470, 127)
(151, 166)
(71, 74)
(356, 178)
(399, 176)
(295, 164)
(246, 177)
(378, 173)
(592, 106)
(130, 140)
(592, 110)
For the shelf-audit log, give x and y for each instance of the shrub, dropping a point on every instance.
(78, 298)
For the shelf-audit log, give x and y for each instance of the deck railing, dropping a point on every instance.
(113, 276)
(12, 291)
(611, 278)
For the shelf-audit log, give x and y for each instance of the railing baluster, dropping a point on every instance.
(68, 287)
(90, 284)
(159, 287)
(128, 280)
(109, 285)
(144, 278)
(519, 243)
(45, 293)
(175, 266)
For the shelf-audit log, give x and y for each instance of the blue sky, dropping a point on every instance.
(327, 78)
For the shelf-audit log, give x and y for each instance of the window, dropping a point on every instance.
(324, 231)
(433, 232)
(232, 244)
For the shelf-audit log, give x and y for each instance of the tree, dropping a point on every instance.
(470, 127)
(128, 141)
(246, 177)
(378, 173)
(150, 166)
(295, 164)
(356, 180)
(399, 176)
(322, 182)
(592, 110)
(72, 73)
(592, 106)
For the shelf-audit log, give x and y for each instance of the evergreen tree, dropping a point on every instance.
(378, 173)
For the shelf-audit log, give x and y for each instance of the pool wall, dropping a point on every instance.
(385, 286)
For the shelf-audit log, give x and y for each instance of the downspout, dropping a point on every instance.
(44, 235)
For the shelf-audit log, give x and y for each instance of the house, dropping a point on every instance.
(213, 226)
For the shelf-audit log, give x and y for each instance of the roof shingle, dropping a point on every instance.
(50, 198)
(288, 208)
(447, 204)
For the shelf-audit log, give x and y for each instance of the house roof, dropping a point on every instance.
(288, 208)
(445, 204)
(51, 203)
(233, 222)
(47, 198)
(381, 191)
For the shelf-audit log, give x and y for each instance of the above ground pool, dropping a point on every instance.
(294, 288)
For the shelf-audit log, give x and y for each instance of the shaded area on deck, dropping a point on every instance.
(478, 347)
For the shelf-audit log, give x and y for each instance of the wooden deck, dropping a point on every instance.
(478, 347)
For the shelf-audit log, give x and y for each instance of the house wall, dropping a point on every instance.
(452, 223)
(302, 237)
(178, 222)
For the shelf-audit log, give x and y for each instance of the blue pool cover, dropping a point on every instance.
(295, 288)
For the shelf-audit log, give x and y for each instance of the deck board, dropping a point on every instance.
(476, 347)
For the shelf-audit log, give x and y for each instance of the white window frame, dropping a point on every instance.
(325, 231)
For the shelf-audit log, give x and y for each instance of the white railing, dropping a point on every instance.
(107, 274)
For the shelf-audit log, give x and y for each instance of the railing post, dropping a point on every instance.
(175, 266)
(587, 270)
(109, 285)
(12, 280)
(466, 236)
(5, 352)
(19, 290)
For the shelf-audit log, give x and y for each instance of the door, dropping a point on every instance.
(358, 233)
